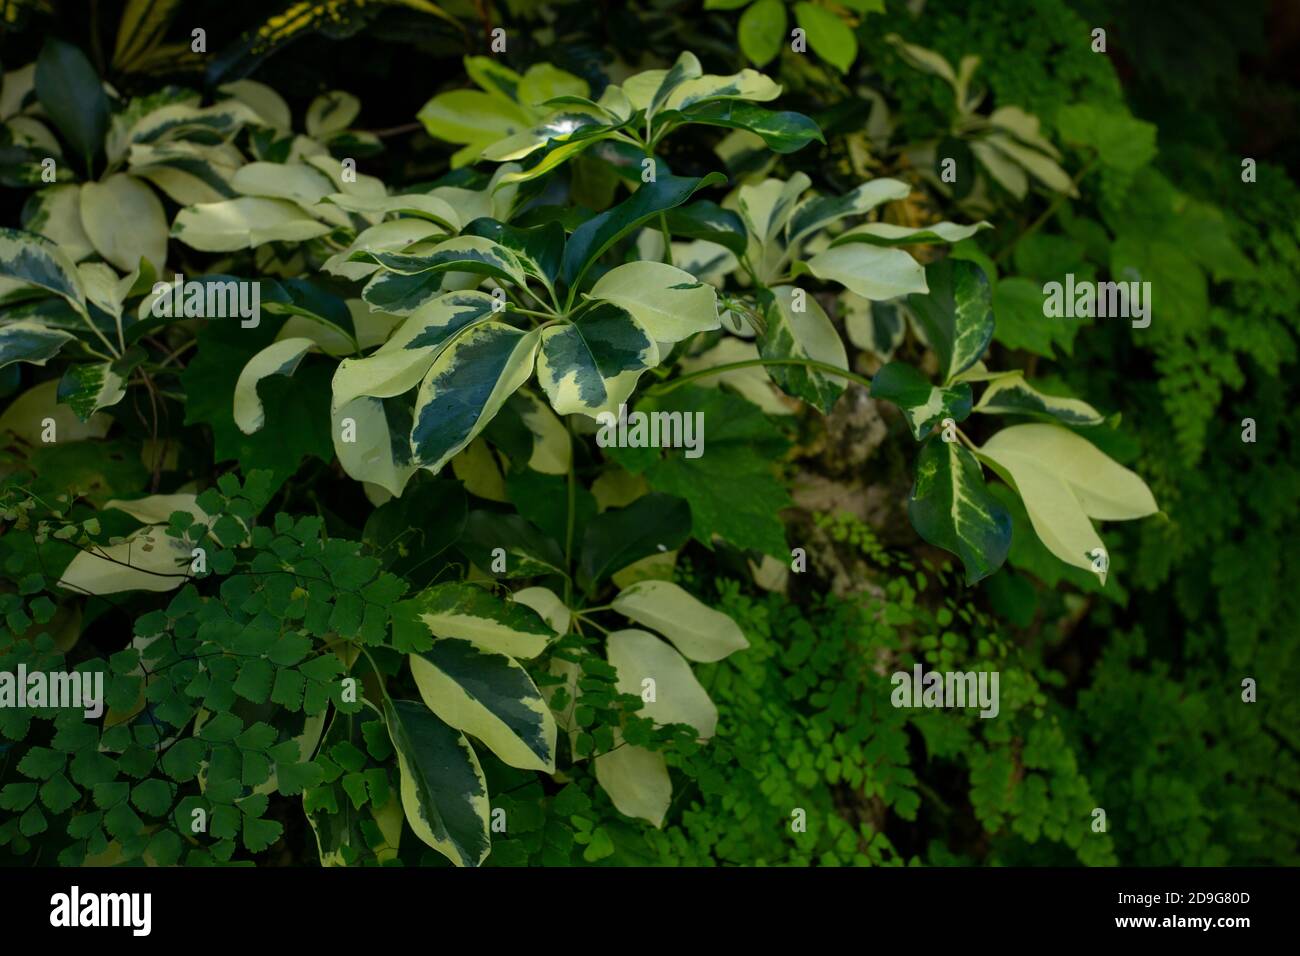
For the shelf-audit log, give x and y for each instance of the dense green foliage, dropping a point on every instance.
(467, 591)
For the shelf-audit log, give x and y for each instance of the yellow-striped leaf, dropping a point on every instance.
(592, 364)
(444, 792)
(468, 383)
(491, 698)
(469, 613)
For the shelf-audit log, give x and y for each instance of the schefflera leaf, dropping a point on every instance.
(490, 697)
(378, 449)
(679, 698)
(699, 632)
(952, 508)
(89, 386)
(592, 364)
(470, 613)
(635, 778)
(444, 793)
(29, 341)
(923, 404)
(669, 303)
(399, 364)
(956, 315)
(1064, 480)
(1010, 394)
(278, 358)
(805, 333)
(466, 386)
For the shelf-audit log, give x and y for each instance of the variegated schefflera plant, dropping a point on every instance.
(773, 233)
(94, 238)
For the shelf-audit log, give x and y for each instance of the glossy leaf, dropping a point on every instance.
(951, 508)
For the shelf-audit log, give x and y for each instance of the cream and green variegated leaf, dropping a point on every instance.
(1007, 173)
(509, 104)
(782, 132)
(444, 793)
(592, 364)
(699, 632)
(106, 290)
(399, 364)
(956, 315)
(539, 249)
(924, 405)
(147, 560)
(33, 342)
(679, 698)
(613, 105)
(296, 182)
(952, 508)
(1010, 394)
(270, 107)
(1064, 480)
(548, 604)
(462, 254)
(748, 85)
(245, 223)
(560, 137)
(1040, 166)
(766, 208)
(470, 380)
(686, 84)
(1025, 127)
(220, 121)
(331, 113)
(869, 271)
(302, 299)
(55, 213)
(796, 327)
(552, 444)
(469, 613)
(189, 173)
(420, 205)
(475, 119)
(1106, 490)
(636, 780)
(889, 234)
(668, 303)
(391, 236)
(876, 327)
(278, 358)
(820, 211)
(372, 441)
(87, 387)
(32, 259)
(125, 221)
(398, 294)
(921, 58)
(496, 200)
(349, 182)
(490, 697)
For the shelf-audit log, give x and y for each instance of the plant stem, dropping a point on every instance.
(1047, 213)
(668, 239)
(665, 387)
(572, 493)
